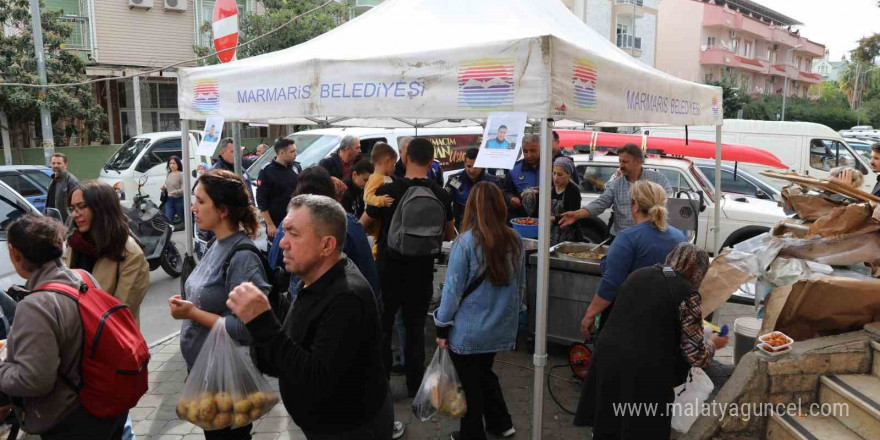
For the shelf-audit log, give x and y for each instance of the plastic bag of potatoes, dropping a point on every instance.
(440, 391)
(224, 388)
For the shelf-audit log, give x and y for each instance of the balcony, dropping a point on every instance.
(81, 38)
(626, 41)
(720, 56)
(812, 78)
(783, 70)
(627, 7)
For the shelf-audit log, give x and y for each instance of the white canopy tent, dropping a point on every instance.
(424, 60)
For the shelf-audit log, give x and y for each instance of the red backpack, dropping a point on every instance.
(115, 355)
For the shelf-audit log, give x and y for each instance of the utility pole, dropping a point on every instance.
(855, 101)
(45, 116)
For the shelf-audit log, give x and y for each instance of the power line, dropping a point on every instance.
(159, 69)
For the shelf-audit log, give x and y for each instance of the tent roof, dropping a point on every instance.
(458, 59)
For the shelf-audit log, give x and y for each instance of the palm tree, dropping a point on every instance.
(869, 76)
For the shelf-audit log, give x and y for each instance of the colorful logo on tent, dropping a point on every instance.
(486, 84)
(715, 107)
(207, 96)
(583, 78)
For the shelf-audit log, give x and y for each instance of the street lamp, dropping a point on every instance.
(785, 84)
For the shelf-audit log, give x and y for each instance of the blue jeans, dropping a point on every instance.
(174, 208)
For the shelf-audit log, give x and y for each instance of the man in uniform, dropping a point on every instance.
(524, 175)
(459, 185)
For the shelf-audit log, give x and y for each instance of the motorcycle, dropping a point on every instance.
(153, 230)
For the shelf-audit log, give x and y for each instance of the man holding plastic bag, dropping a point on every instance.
(327, 355)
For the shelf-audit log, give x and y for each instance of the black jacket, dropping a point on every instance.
(327, 357)
(876, 190)
(275, 186)
(60, 188)
(334, 166)
(353, 199)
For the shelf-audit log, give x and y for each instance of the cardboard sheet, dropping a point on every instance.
(822, 307)
(852, 219)
(808, 207)
(823, 185)
(725, 275)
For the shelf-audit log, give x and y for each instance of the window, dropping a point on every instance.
(799, 59)
(38, 176)
(676, 180)
(730, 185)
(624, 38)
(163, 151)
(827, 154)
(747, 50)
(735, 45)
(9, 210)
(594, 177)
(22, 185)
(158, 107)
(708, 78)
(710, 42)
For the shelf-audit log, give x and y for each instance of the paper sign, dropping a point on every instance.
(502, 140)
(211, 136)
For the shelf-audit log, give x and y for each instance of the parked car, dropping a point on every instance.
(31, 181)
(744, 216)
(146, 154)
(807, 148)
(735, 180)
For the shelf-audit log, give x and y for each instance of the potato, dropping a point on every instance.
(181, 409)
(255, 414)
(257, 399)
(207, 410)
(243, 406)
(192, 411)
(271, 400)
(222, 420)
(223, 401)
(240, 420)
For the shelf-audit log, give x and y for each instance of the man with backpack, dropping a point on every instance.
(412, 233)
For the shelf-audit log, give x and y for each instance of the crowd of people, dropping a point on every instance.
(359, 238)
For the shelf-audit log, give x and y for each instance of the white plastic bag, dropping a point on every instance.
(441, 390)
(689, 398)
(224, 388)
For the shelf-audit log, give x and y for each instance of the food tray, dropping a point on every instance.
(564, 250)
(780, 352)
(778, 348)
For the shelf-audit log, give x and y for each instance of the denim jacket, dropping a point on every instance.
(486, 321)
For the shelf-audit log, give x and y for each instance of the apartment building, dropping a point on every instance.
(631, 24)
(121, 37)
(754, 46)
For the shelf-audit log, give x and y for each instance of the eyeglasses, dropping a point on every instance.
(81, 206)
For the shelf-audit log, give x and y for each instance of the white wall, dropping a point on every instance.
(599, 17)
(646, 29)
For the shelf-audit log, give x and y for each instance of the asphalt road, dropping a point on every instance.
(156, 322)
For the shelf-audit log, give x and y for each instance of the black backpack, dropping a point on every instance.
(418, 224)
(279, 297)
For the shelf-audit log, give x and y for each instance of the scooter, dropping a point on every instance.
(153, 230)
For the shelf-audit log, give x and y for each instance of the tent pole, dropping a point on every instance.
(716, 245)
(188, 155)
(236, 147)
(540, 358)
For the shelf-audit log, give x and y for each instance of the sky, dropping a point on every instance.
(838, 24)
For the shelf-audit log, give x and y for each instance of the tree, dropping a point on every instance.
(278, 12)
(74, 109)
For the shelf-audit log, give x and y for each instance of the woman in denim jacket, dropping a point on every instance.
(488, 260)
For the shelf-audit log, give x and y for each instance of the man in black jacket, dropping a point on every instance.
(275, 185)
(61, 185)
(327, 356)
(226, 161)
(339, 163)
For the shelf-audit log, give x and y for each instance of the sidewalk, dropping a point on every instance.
(154, 418)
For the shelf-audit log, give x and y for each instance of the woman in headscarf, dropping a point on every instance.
(654, 336)
(565, 196)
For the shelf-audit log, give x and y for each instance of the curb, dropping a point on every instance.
(165, 339)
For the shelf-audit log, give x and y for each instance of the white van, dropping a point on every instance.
(450, 144)
(146, 154)
(806, 147)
